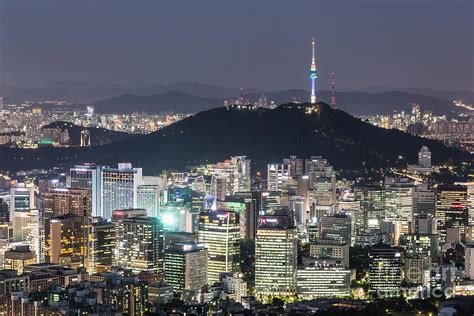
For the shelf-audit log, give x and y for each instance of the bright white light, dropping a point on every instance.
(168, 219)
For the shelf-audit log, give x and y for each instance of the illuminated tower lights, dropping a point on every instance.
(333, 94)
(313, 76)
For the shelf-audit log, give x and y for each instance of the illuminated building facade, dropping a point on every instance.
(276, 255)
(385, 274)
(148, 198)
(323, 278)
(59, 201)
(18, 257)
(140, 244)
(219, 231)
(448, 197)
(102, 246)
(114, 189)
(186, 267)
(68, 240)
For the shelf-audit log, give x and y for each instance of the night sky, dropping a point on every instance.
(261, 44)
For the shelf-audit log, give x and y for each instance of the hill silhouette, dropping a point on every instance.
(351, 145)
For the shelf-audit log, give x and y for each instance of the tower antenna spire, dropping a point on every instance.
(312, 73)
(333, 94)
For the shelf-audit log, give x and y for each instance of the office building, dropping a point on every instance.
(322, 278)
(62, 201)
(330, 248)
(148, 198)
(68, 241)
(186, 267)
(114, 189)
(219, 231)
(102, 246)
(385, 275)
(336, 227)
(448, 197)
(276, 255)
(18, 257)
(140, 244)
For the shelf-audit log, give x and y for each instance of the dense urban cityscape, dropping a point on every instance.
(195, 199)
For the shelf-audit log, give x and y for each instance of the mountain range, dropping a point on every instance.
(137, 96)
(355, 103)
(354, 147)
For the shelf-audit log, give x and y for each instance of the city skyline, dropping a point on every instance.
(364, 43)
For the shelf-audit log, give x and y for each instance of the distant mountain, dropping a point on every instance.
(356, 103)
(441, 94)
(196, 89)
(191, 97)
(170, 101)
(99, 136)
(351, 145)
(363, 103)
(84, 92)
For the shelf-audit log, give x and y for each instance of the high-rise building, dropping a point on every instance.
(102, 246)
(421, 245)
(424, 157)
(336, 227)
(295, 165)
(115, 188)
(385, 275)
(399, 203)
(448, 197)
(323, 278)
(269, 201)
(68, 240)
(276, 250)
(22, 199)
(277, 175)
(140, 245)
(219, 231)
(4, 207)
(423, 202)
(230, 176)
(372, 202)
(28, 228)
(330, 248)
(186, 267)
(322, 181)
(61, 201)
(469, 261)
(148, 198)
(81, 176)
(85, 138)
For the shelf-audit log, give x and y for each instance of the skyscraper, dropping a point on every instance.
(102, 246)
(60, 201)
(313, 76)
(115, 188)
(385, 275)
(186, 267)
(276, 255)
(140, 245)
(68, 240)
(219, 231)
(448, 197)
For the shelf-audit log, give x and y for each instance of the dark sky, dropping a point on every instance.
(262, 44)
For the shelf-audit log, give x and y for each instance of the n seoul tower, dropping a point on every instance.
(313, 76)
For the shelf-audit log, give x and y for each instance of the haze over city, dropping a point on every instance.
(262, 45)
